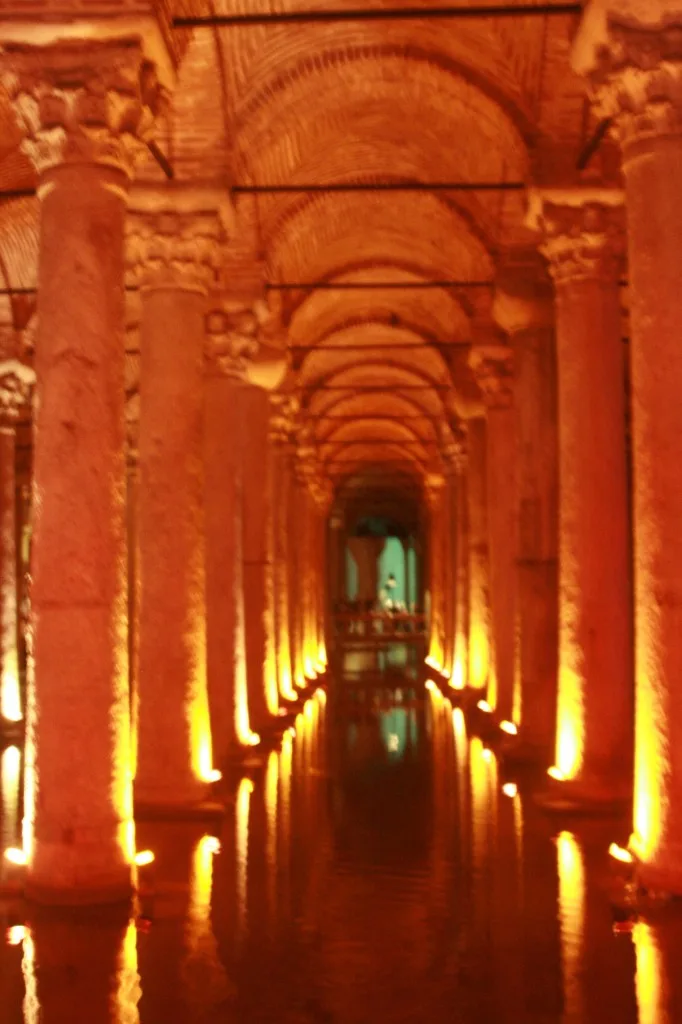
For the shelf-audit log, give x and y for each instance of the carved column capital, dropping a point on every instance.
(634, 73)
(82, 101)
(583, 232)
(16, 386)
(231, 341)
(172, 246)
(284, 410)
(492, 366)
(434, 488)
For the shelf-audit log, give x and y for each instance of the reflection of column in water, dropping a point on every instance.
(650, 978)
(28, 969)
(479, 764)
(459, 731)
(285, 771)
(128, 991)
(87, 968)
(203, 975)
(271, 796)
(243, 811)
(10, 770)
(572, 922)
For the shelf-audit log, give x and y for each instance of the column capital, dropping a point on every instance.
(434, 488)
(284, 410)
(175, 236)
(633, 65)
(16, 386)
(492, 365)
(583, 232)
(82, 101)
(231, 341)
(455, 449)
(523, 298)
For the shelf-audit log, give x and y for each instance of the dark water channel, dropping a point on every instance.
(374, 870)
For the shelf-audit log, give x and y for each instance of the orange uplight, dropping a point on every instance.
(510, 789)
(16, 856)
(457, 679)
(509, 728)
(652, 762)
(144, 857)
(556, 773)
(620, 854)
(570, 723)
(484, 706)
(479, 657)
(16, 934)
(487, 754)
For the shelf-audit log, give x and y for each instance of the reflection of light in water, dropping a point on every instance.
(394, 731)
(650, 978)
(271, 793)
(28, 969)
(571, 920)
(10, 770)
(203, 975)
(242, 847)
(480, 806)
(413, 727)
(128, 990)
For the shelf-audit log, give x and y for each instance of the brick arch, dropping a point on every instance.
(386, 405)
(290, 61)
(299, 303)
(372, 93)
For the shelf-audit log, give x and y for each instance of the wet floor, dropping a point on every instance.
(378, 868)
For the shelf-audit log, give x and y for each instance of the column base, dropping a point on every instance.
(517, 750)
(575, 796)
(118, 889)
(150, 809)
(663, 876)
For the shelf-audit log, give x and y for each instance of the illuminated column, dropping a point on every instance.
(479, 598)
(295, 520)
(283, 411)
(635, 74)
(263, 700)
(132, 417)
(173, 251)
(16, 382)
(228, 349)
(281, 425)
(461, 564)
(492, 365)
(435, 496)
(583, 233)
(524, 309)
(79, 104)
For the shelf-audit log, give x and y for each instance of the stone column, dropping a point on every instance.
(435, 496)
(16, 383)
(479, 596)
(132, 415)
(173, 251)
(524, 309)
(492, 365)
(460, 664)
(583, 233)
(295, 520)
(228, 350)
(263, 700)
(281, 425)
(80, 105)
(635, 72)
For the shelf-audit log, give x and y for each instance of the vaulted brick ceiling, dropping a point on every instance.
(431, 101)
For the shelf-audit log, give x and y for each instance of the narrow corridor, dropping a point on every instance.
(377, 868)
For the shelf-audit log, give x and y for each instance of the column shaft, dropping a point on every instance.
(479, 598)
(78, 758)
